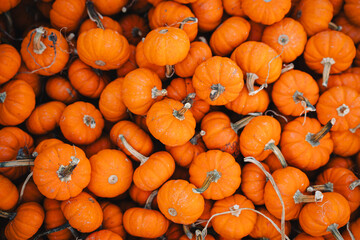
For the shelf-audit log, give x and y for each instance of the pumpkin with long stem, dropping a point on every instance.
(113, 218)
(218, 80)
(147, 176)
(341, 103)
(145, 222)
(305, 144)
(295, 92)
(346, 143)
(318, 219)
(340, 180)
(10, 62)
(61, 171)
(329, 52)
(216, 174)
(179, 203)
(259, 137)
(111, 173)
(25, 222)
(167, 118)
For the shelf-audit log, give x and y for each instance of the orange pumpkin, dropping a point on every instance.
(107, 22)
(351, 10)
(134, 28)
(32, 79)
(348, 79)
(6, 6)
(9, 194)
(60, 89)
(348, 28)
(10, 62)
(346, 143)
(113, 218)
(340, 162)
(233, 7)
(67, 14)
(30, 192)
(129, 65)
(104, 235)
(354, 228)
(208, 12)
(109, 7)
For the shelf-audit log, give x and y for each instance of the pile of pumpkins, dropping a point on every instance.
(182, 119)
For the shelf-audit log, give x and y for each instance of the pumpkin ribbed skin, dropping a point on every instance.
(208, 13)
(69, 18)
(348, 79)
(8, 4)
(351, 10)
(346, 143)
(113, 218)
(107, 22)
(60, 89)
(104, 235)
(55, 218)
(9, 194)
(10, 62)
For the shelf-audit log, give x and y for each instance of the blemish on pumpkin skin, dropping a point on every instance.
(91, 200)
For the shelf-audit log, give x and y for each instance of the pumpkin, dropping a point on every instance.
(317, 219)
(146, 176)
(113, 218)
(174, 232)
(111, 173)
(341, 103)
(10, 62)
(44, 144)
(185, 154)
(182, 90)
(109, 7)
(45, 117)
(167, 118)
(253, 182)
(30, 192)
(208, 12)
(109, 49)
(166, 46)
(329, 52)
(171, 13)
(134, 135)
(55, 218)
(17, 101)
(266, 12)
(60, 89)
(87, 119)
(111, 103)
(198, 53)
(263, 229)
(346, 143)
(61, 171)
(351, 10)
(230, 34)
(315, 16)
(138, 195)
(28, 220)
(305, 144)
(129, 65)
(67, 14)
(45, 51)
(9, 194)
(134, 28)
(295, 93)
(234, 225)
(344, 79)
(104, 235)
(259, 63)
(273, 162)
(233, 8)
(140, 89)
(215, 174)
(291, 182)
(339, 180)
(6, 6)
(256, 31)
(287, 37)
(107, 22)
(179, 203)
(340, 162)
(14, 144)
(32, 79)
(348, 28)
(86, 80)
(259, 136)
(83, 212)
(218, 80)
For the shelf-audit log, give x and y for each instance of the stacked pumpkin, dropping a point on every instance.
(183, 119)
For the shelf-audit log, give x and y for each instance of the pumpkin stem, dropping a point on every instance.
(38, 46)
(194, 140)
(150, 199)
(216, 91)
(132, 150)
(287, 67)
(189, 98)
(23, 187)
(198, 235)
(203, 39)
(314, 139)
(169, 71)
(244, 121)
(57, 229)
(212, 176)
(327, 187)
(299, 97)
(354, 184)
(349, 231)
(187, 231)
(128, 5)
(18, 163)
(271, 146)
(7, 215)
(64, 172)
(89, 121)
(333, 228)
(136, 32)
(334, 27)
(327, 62)
(186, 20)
(283, 39)
(343, 110)
(250, 82)
(157, 93)
(301, 198)
(353, 130)
(273, 183)
(180, 113)
(94, 15)
(2, 97)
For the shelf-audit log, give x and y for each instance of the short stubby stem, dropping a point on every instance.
(212, 176)
(283, 39)
(2, 97)
(314, 138)
(194, 140)
(180, 114)
(334, 27)
(7, 215)
(327, 187)
(169, 71)
(132, 150)
(64, 172)
(343, 110)
(299, 97)
(353, 130)
(333, 228)
(187, 231)
(89, 121)
(38, 46)
(287, 67)
(301, 198)
(271, 146)
(327, 62)
(158, 93)
(216, 91)
(354, 184)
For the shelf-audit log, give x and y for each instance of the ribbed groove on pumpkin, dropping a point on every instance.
(327, 187)
(343, 110)
(38, 46)
(132, 150)
(301, 198)
(194, 140)
(180, 114)
(327, 62)
(64, 172)
(158, 93)
(53, 230)
(333, 228)
(243, 122)
(271, 146)
(212, 176)
(89, 121)
(186, 20)
(94, 15)
(314, 139)
(354, 184)
(299, 97)
(2, 97)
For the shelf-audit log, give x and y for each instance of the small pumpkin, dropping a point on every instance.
(109, 7)
(348, 79)
(346, 143)
(134, 28)
(351, 10)
(10, 62)
(107, 22)
(33, 79)
(233, 8)
(209, 13)
(67, 14)
(6, 6)
(60, 89)
(9, 194)
(104, 234)
(348, 28)
(113, 218)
